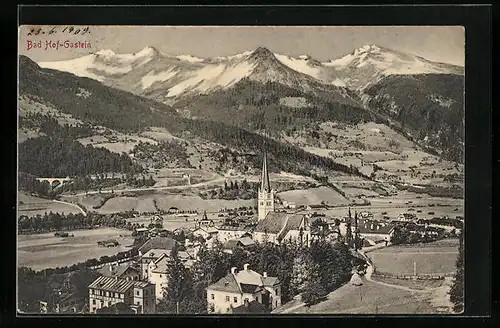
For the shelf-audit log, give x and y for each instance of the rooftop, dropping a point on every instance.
(244, 281)
(165, 243)
(115, 284)
(110, 270)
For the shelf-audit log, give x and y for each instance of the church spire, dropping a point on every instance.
(264, 180)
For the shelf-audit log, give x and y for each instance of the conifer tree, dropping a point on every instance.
(457, 289)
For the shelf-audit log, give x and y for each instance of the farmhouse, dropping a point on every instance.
(151, 256)
(235, 288)
(123, 271)
(106, 291)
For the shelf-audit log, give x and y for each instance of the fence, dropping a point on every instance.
(439, 276)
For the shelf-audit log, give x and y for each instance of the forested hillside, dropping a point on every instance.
(430, 107)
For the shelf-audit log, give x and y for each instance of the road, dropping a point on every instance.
(196, 185)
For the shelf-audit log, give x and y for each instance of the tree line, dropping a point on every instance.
(60, 157)
(300, 269)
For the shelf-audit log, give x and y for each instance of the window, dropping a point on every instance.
(146, 302)
(137, 303)
(262, 203)
(122, 296)
(93, 302)
(137, 293)
(91, 291)
(268, 203)
(257, 298)
(107, 294)
(146, 292)
(235, 299)
(213, 296)
(277, 292)
(276, 303)
(116, 295)
(227, 298)
(160, 276)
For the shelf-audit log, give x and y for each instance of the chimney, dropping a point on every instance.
(371, 227)
(233, 270)
(245, 266)
(265, 275)
(116, 278)
(111, 267)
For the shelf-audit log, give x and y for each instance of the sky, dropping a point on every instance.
(437, 43)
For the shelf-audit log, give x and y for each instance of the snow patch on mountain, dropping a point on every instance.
(189, 58)
(151, 78)
(300, 65)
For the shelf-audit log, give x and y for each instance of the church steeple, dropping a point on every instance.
(264, 180)
(266, 194)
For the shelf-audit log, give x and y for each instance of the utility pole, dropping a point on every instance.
(415, 269)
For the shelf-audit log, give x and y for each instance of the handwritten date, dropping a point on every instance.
(59, 29)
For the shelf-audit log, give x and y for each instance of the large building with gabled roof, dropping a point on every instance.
(239, 287)
(277, 226)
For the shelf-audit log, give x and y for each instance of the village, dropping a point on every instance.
(137, 284)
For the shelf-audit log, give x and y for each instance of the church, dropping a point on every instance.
(278, 226)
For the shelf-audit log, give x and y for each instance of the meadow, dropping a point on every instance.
(431, 258)
(40, 251)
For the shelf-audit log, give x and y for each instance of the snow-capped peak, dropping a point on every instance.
(105, 52)
(189, 58)
(147, 51)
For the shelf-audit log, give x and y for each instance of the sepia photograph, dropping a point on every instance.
(240, 170)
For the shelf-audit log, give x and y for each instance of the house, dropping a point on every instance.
(407, 217)
(151, 256)
(157, 270)
(243, 243)
(376, 231)
(62, 302)
(106, 291)
(205, 232)
(229, 232)
(282, 226)
(122, 271)
(237, 287)
(250, 307)
(164, 243)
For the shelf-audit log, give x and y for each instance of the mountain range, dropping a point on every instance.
(150, 72)
(261, 89)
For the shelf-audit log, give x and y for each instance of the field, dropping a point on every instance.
(431, 258)
(313, 196)
(371, 298)
(46, 251)
(31, 205)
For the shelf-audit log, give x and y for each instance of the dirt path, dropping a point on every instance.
(73, 205)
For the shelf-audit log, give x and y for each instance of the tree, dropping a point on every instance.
(179, 285)
(313, 293)
(457, 289)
